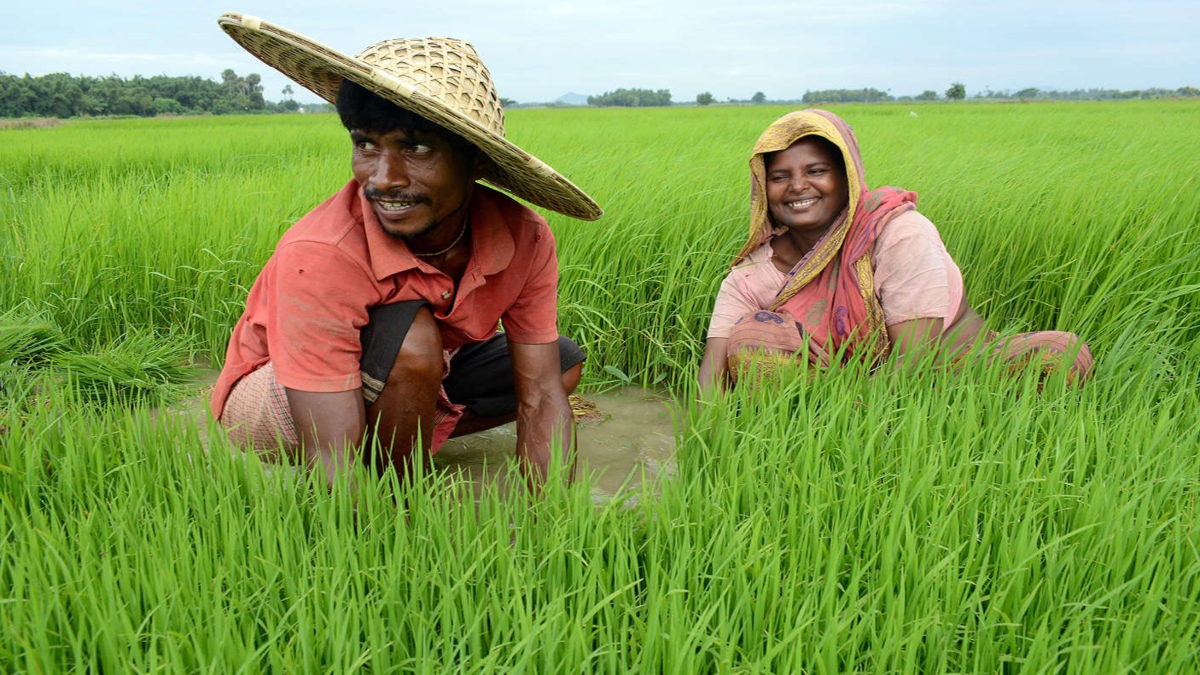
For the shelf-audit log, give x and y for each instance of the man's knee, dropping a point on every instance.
(420, 356)
(571, 376)
(571, 358)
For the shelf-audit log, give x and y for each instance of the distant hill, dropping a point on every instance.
(571, 98)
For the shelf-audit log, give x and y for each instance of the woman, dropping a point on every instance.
(833, 270)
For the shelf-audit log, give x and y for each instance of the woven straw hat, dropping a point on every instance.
(440, 79)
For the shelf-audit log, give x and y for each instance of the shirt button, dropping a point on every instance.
(445, 294)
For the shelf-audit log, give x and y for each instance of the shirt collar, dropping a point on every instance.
(492, 245)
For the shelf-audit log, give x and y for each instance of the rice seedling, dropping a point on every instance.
(973, 521)
(140, 368)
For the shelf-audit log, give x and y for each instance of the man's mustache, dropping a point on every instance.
(375, 194)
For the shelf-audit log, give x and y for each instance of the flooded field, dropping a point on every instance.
(626, 438)
(628, 441)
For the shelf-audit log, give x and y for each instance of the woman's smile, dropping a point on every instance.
(801, 203)
(806, 187)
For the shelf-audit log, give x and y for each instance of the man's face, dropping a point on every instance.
(416, 180)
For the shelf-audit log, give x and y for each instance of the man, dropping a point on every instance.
(376, 318)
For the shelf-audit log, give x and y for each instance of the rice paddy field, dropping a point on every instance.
(974, 521)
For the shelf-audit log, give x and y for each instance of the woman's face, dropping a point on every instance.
(806, 185)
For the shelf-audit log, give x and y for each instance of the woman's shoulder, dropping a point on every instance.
(756, 257)
(755, 276)
(911, 220)
(907, 226)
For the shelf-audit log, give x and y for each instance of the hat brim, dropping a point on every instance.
(321, 70)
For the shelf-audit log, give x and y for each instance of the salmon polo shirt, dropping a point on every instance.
(310, 301)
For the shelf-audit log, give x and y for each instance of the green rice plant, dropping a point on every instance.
(176, 240)
(140, 369)
(974, 521)
(26, 337)
(27, 344)
(922, 524)
(906, 523)
(171, 242)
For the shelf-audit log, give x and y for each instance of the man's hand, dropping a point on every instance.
(544, 416)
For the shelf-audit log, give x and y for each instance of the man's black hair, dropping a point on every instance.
(364, 110)
(360, 108)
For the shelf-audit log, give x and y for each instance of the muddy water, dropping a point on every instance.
(628, 441)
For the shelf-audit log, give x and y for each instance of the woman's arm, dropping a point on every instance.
(920, 288)
(714, 369)
(913, 340)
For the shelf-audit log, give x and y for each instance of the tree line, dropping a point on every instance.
(1089, 94)
(958, 91)
(632, 98)
(62, 95)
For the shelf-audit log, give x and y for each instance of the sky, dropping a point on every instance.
(539, 50)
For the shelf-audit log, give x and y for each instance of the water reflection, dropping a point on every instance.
(630, 441)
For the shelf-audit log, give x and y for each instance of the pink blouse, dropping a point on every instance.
(915, 278)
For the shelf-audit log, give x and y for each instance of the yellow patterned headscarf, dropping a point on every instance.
(782, 133)
(849, 310)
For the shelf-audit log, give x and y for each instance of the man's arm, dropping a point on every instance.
(544, 415)
(330, 426)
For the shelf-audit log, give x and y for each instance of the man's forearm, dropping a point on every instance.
(540, 429)
(330, 426)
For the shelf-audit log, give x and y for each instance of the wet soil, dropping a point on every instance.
(625, 439)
